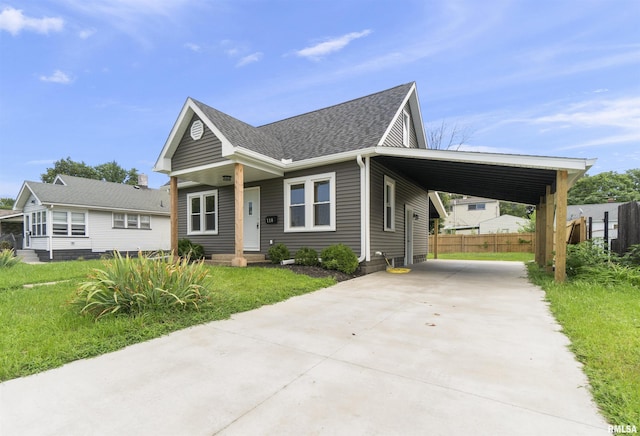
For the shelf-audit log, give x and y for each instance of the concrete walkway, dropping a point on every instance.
(451, 348)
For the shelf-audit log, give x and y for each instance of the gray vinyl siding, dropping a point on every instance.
(407, 194)
(272, 204)
(190, 153)
(394, 139)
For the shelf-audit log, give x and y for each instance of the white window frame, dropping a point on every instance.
(476, 206)
(70, 223)
(125, 221)
(38, 223)
(308, 182)
(406, 128)
(202, 196)
(389, 203)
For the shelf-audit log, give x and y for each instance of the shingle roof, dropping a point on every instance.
(351, 125)
(99, 194)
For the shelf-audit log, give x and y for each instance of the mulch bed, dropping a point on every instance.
(312, 271)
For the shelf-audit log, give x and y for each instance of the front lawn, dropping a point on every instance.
(602, 320)
(40, 331)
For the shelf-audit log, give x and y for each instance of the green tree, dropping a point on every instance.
(606, 186)
(530, 227)
(110, 171)
(7, 203)
(514, 209)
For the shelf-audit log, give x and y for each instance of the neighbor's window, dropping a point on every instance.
(389, 204)
(118, 220)
(39, 223)
(310, 203)
(202, 213)
(69, 223)
(406, 128)
(476, 206)
(131, 221)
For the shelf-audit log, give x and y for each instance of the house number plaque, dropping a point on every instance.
(271, 219)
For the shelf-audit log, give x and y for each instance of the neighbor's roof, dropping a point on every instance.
(595, 211)
(95, 194)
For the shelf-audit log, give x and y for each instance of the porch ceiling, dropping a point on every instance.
(507, 183)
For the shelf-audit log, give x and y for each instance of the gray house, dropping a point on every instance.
(358, 173)
(76, 217)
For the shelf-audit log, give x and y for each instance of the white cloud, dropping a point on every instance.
(57, 77)
(317, 51)
(621, 113)
(253, 57)
(41, 162)
(86, 33)
(14, 21)
(193, 47)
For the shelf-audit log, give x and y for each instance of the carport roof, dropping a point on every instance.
(507, 177)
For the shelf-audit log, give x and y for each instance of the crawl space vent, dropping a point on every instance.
(196, 130)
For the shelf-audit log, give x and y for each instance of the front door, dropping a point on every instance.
(252, 219)
(408, 236)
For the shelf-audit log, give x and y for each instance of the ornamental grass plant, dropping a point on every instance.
(133, 285)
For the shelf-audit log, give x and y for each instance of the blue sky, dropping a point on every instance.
(105, 80)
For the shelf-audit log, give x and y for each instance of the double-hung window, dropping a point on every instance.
(310, 203)
(39, 223)
(69, 223)
(202, 211)
(131, 221)
(389, 204)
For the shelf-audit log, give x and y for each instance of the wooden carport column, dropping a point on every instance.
(173, 193)
(561, 225)
(540, 236)
(238, 189)
(548, 230)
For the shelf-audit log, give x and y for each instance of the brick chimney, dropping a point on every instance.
(143, 181)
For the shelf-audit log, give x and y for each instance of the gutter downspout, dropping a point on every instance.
(49, 215)
(364, 208)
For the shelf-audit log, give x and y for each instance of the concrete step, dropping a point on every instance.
(28, 256)
(225, 259)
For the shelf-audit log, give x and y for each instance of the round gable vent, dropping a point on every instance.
(196, 130)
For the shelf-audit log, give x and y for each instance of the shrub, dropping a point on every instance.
(585, 254)
(5, 245)
(8, 258)
(632, 256)
(190, 250)
(278, 253)
(129, 285)
(307, 256)
(339, 257)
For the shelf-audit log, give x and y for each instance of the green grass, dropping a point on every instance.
(514, 257)
(23, 273)
(40, 331)
(603, 323)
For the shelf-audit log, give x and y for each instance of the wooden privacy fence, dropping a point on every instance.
(488, 243)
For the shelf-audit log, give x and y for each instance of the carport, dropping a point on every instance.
(536, 180)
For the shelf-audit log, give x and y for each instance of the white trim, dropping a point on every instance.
(389, 227)
(201, 195)
(308, 182)
(406, 128)
(363, 208)
(256, 209)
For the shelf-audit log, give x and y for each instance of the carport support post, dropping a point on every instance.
(173, 193)
(540, 215)
(561, 225)
(238, 189)
(548, 230)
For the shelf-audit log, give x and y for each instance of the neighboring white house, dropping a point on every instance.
(75, 217)
(503, 224)
(596, 212)
(466, 214)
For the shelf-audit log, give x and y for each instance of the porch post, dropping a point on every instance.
(173, 193)
(548, 232)
(238, 189)
(561, 225)
(540, 232)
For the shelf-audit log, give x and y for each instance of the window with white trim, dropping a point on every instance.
(476, 206)
(69, 223)
(202, 213)
(389, 204)
(406, 128)
(131, 221)
(310, 203)
(39, 223)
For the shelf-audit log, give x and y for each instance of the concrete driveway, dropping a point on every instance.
(452, 347)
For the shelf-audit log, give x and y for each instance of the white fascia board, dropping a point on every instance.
(416, 118)
(398, 114)
(437, 202)
(102, 208)
(163, 164)
(514, 160)
(201, 168)
(330, 159)
(258, 161)
(23, 196)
